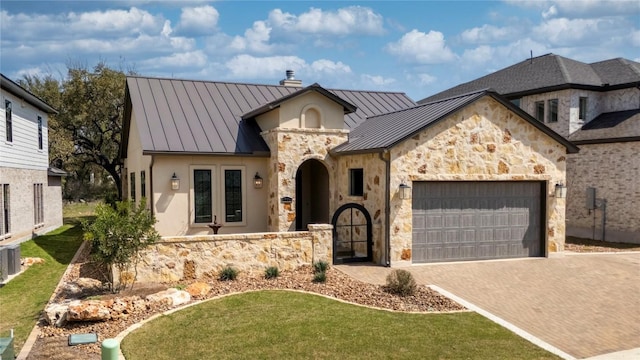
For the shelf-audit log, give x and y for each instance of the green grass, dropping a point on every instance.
(290, 325)
(24, 297)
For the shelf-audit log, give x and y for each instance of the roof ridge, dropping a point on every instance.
(563, 69)
(485, 90)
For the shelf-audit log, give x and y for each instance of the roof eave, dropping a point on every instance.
(26, 95)
(200, 153)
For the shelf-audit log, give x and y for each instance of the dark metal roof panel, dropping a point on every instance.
(189, 116)
(386, 130)
(611, 125)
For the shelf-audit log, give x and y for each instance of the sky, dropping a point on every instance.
(416, 47)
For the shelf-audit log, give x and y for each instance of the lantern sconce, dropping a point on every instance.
(405, 191)
(561, 191)
(257, 181)
(175, 182)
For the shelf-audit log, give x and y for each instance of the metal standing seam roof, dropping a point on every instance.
(544, 73)
(205, 117)
(384, 131)
(610, 127)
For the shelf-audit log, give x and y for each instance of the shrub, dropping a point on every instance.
(271, 272)
(228, 274)
(400, 282)
(117, 235)
(320, 266)
(320, 277)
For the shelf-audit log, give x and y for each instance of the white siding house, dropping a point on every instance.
(30, 191)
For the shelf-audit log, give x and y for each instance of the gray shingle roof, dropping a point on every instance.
(549, 72)
(189, 116)
(618, 126)
(385, 131)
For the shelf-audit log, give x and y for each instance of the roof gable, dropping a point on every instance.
(385, 131)
(207, 117)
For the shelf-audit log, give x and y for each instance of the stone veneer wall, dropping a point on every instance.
(191, 257)
(613, 169)
(483, 141)
(289, 149)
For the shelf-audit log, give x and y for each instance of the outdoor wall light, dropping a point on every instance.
(175, 182)
(405, 191)
(257, 181)
(561, 191)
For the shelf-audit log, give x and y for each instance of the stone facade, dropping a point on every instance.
(191, 257)
(290, 148)
(613, 169)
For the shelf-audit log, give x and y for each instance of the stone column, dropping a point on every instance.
(322, 238)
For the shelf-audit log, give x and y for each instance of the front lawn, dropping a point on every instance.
(24, 297)
(292, 325)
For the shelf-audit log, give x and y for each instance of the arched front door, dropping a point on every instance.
(312, 194)
(352, 239)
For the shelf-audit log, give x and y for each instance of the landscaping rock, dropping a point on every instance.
(89, 284)
(56, 314)
(198, 290)
(170, 297)
(28, 261)
(91, 310)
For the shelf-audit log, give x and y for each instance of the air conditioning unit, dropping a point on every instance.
(13, 253)
(4, 263)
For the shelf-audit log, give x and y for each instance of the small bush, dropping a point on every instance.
(320, 266)
(400, 282)
(271, 272)
(228, 274)
(320, 277)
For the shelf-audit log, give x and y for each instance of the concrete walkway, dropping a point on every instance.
(583, 304)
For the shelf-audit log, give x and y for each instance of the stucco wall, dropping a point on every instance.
(192, 257)
(483, 141)
(613, 169)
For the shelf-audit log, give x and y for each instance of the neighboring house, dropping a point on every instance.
(30, 190)
(470, 177)
(597, 107)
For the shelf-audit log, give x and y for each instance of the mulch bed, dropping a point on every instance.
(587, 246)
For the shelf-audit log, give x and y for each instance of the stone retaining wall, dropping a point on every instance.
(179, 258)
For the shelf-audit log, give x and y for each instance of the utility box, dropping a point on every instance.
(4, 263)
(13, 253)
(6, 349)
(591, 198)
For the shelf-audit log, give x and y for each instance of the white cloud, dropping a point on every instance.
(423, 48)
(202, 20)
(330, 67)
(255, 39)
(567, 32)
(192, 59)
(487, 34)
(344, 21)
(426, 79)
(376, 80)
(247, 66)
(130, 21)
(580, 8)
(553, 11)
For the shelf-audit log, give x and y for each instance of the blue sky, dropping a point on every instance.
(418, 47)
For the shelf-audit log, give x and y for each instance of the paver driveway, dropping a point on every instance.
(584, 305)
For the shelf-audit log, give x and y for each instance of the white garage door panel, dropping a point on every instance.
(476, 220)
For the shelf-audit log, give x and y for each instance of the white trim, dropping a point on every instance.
(243, 182)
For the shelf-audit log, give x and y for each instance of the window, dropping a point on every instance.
(5, 217)
(553, 111)
(38, 205)
(202, 196)
(132, 179)
(143, 184)
(582, 111)
(233, 195)
(516, 102)
(540, 111)
(356, 182)
(8, 120)
(40, 132)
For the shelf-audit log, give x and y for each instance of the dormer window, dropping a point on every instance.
(582, 110)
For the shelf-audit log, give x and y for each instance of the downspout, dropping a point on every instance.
(151, 185)
(387, 205)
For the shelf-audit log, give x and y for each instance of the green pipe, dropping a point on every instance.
(110, 349)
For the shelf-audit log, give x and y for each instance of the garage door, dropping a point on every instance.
(476, 220)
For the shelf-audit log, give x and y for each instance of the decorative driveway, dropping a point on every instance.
(583, 304)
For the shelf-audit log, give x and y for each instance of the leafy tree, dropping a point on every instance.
(118, 234)
(88, 128)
